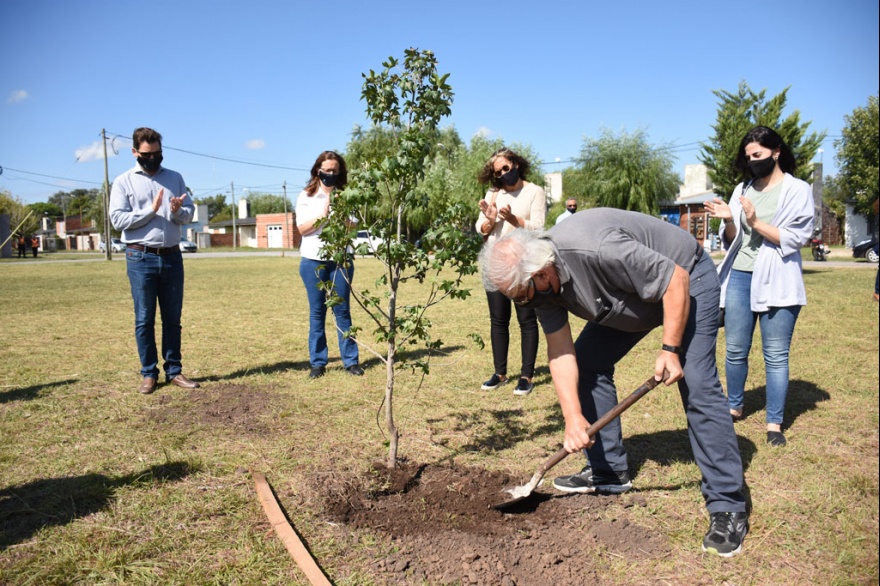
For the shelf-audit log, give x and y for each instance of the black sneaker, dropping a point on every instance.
(316, 372)
(726, 533)
(355, 370)
(587, 481)
(494, 382)
(523, 387)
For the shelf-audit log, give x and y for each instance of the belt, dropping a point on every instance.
(698, 254)
(152, 250)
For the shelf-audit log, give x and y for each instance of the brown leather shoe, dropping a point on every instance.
(183, 382)
(148, 385)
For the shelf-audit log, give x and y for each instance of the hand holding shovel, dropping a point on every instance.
(521, 492)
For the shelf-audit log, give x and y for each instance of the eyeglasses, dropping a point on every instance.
(525, 297)
(501, 171)
(150, 155)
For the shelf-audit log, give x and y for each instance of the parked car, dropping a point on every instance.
(866, 249)
(187, 245)
(116, 245)
(364, 237)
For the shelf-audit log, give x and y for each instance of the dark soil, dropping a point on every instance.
(441, 520)
(438, 518)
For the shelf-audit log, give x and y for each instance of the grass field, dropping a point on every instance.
(101, 485)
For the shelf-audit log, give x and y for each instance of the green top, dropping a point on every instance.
(766, 203)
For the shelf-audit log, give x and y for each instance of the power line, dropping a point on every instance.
(227, 159)
(50, 177)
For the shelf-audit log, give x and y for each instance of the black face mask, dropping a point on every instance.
(510, 178)
(327, 179)
(762, 167)
(572, 209)
(150, 165)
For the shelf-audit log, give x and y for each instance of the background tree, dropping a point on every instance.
(266, 203)
(42, 208)
(626, 172)
(737, 114)
(87, 203)
(48, 210)
(858, 154)
(218, 210)
(575, 183)
(22, 221)
(451, 176)
(405, 101)
(834, 197)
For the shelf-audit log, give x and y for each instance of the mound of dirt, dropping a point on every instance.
(445, 531)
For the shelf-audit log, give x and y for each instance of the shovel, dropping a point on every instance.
(521, 492)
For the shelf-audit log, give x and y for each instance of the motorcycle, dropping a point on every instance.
(820, 250)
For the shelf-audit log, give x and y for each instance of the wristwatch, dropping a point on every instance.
(673, 349)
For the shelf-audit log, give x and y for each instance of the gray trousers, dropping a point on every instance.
(710, 427)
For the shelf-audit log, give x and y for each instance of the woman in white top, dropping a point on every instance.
(768, 220)
(312, 210)
(510, 203)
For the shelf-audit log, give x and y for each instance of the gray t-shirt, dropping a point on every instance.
(614, 267)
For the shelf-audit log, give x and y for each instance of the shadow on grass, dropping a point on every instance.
(803, 396)
(27, 508)
(29, 393)
(304, 365)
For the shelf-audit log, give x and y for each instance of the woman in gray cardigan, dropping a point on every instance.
(768, 220)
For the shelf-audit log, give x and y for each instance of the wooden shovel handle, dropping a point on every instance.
(604, 420)
(623, 406)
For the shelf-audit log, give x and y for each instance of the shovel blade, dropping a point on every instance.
(518, 493)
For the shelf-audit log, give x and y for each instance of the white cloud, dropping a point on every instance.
(93, 152)
(17, 96)
(255, 144)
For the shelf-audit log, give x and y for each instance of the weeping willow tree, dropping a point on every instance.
(624, 171)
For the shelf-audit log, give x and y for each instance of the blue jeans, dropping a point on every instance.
(710, 428)
(156, 277)
(312, 273)
(777, 326)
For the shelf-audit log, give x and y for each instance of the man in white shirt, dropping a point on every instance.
(571, 206)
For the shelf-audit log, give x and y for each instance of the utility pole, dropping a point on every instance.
(108, 249)
(286, 224)
(232, 185)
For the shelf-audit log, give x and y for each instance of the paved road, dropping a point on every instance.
(119, 256)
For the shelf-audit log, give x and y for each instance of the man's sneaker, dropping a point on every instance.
(590, 481)
(523, 387)
(494, 382)
(726, 533)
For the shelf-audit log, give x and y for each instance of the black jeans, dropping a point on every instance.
(499, 320)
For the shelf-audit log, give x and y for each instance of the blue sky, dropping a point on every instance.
(274, 83)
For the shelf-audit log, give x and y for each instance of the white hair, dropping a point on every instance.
(509, 262)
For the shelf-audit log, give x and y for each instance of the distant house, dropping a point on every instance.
(260, 231)
(687, 209)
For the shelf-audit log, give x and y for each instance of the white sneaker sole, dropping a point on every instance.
(596, 489)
